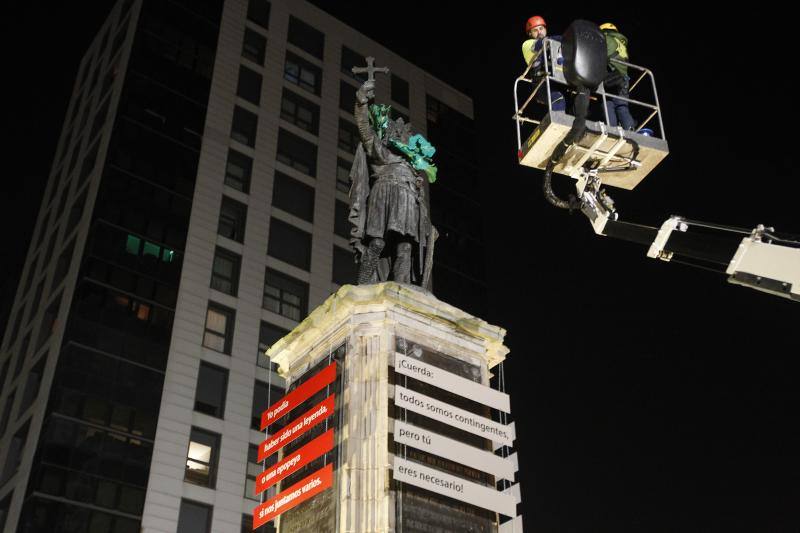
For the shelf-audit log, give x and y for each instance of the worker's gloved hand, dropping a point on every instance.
(366, 92)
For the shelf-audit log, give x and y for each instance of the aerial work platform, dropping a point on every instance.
(624, 158)
(620, 158)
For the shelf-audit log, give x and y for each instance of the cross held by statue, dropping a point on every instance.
(370, 69)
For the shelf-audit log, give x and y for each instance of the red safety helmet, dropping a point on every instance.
(533, 22)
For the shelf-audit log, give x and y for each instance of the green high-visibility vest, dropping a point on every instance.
(617, 48)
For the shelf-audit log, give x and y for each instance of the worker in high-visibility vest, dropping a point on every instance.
(617, 81)
(536, 28)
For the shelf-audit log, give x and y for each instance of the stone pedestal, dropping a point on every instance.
(368, 325)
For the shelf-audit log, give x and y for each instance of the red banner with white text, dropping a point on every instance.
(295, 461)
(303, 392)
(297, 427)
(301, 491)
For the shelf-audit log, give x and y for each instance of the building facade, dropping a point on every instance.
(196, 210)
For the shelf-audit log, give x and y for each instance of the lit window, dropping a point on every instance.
(151, 249)
(219, 328)
(143, 312)
(201, 460)
(167, 255)
(132, 246)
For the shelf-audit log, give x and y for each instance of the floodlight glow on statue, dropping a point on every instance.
(391, 233)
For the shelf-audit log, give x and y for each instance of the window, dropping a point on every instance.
(300, 112)
(306, 37)
(297, 153)
(254, 47)
(285, 295)
(289, 244)
(347, 97)
(249, 86)
(267, 336)
(345, 270)
(343, 174)
(348, 136)
(219, 328)
(238, 171)
(352, 59)
(232, 219)
(194, 517)
(201, 460)
(244, 126)
(302, 73)
(254, 468)
(212, 387)
(293, 197)
(225, 272)
(400, 91)
(341, 224)
(258, 12)
(263, 396)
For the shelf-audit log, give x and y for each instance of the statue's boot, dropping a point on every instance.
(369, 261)
(401, 272)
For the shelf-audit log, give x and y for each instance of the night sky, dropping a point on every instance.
(648, 396)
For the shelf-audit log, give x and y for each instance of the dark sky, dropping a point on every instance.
(648, 396)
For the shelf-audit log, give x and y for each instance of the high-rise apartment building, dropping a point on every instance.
(196, 210)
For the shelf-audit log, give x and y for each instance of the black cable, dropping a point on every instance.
(574, 135)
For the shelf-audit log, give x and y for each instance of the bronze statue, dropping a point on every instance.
(392, 234)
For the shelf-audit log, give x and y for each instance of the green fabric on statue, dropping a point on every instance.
(419, 152)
